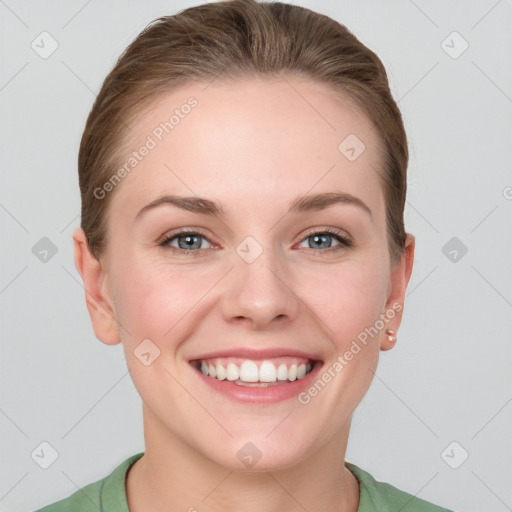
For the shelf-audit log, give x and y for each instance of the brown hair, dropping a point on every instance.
(238, 38)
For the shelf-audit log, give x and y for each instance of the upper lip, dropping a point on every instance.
(257, 353)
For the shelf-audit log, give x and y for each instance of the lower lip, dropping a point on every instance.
(261, 395)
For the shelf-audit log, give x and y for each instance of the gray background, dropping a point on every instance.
(448, 379)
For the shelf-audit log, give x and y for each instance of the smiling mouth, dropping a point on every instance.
(255, 373)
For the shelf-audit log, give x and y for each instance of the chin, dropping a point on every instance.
(259, 455)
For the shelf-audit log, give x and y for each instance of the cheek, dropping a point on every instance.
(151, 299)
(347, 297)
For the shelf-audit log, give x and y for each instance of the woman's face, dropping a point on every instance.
(278, 275)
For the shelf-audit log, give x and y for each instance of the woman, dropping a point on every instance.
(243, 180)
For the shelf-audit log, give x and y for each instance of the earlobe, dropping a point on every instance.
(400, 276)
(97, 295)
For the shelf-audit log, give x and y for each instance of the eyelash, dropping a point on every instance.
(345, 242)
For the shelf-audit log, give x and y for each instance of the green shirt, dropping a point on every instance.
(109, 495)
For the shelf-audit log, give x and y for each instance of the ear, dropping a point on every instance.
(97, 292)
(400, 275)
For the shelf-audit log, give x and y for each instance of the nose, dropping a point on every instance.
(260, 293)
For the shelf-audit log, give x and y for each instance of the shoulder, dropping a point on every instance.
(383, 497)
(107, 494)
(86, 499)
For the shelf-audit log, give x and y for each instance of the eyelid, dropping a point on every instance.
(344, 239)
(179, 231)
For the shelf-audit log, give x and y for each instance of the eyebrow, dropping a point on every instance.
(302, 204)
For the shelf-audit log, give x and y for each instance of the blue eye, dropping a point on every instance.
(323, 240)
(188, 242)
(191, 242)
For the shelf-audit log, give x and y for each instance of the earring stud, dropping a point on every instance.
(391, 335)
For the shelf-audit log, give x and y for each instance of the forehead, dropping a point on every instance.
(280, 136)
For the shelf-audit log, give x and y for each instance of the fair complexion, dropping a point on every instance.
(252, 147)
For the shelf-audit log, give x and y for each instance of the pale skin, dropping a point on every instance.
(253, 147)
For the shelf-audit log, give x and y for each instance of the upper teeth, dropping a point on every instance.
(248, 371)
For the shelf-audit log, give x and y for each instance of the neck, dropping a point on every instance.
(172, 475)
